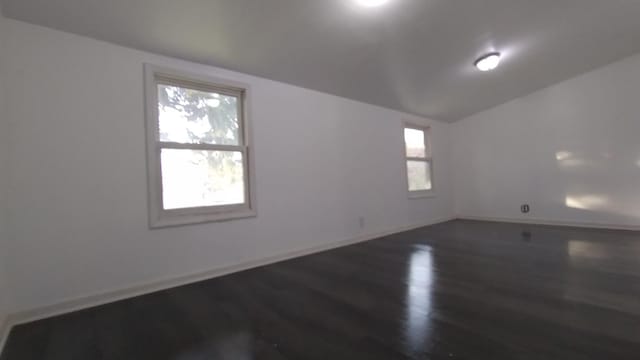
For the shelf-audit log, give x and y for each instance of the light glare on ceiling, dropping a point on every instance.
(371, 3)
(488, 62)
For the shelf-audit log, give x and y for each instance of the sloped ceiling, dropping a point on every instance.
(411, 55)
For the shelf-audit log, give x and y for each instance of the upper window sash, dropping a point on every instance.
(416, 140)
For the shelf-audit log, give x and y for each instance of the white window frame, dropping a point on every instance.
(160, 217)
(416, 194)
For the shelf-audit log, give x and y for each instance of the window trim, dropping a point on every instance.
(160, 217)
(418, 194)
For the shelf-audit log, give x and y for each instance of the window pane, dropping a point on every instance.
(419, 173)
(196, 178)
(196, 117)
(414, 141)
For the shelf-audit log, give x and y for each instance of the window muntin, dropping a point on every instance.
(198, 149)
(419, 164)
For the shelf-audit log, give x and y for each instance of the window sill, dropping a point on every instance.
(175, 221)
(422, 194)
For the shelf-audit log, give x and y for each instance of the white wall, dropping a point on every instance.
(572, 151)
(78, 182)
(5, 292)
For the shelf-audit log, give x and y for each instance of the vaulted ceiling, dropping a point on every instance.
(412, 55)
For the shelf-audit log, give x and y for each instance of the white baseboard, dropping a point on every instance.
(537, 221)
(142, 289)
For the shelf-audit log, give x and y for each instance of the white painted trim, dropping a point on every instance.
(538, 221)
(421, 194)
(160, 217)
(85, 302)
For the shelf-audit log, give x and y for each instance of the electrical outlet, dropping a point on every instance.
(525, 208)
(361, 222)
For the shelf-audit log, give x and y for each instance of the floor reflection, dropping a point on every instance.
(419, 298)
(235, 346)
(581, 250)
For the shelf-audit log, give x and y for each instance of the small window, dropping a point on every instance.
(198, 150)
(418, 160)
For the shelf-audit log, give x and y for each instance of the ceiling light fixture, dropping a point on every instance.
(371, 3)
(488, 62)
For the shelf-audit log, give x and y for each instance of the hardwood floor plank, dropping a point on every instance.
(457, 290)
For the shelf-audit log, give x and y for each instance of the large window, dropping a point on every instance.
(198, 150)
(418, 160)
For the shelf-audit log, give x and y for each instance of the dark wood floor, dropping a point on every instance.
(458, 290)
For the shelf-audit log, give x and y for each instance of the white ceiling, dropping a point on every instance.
(411, 55)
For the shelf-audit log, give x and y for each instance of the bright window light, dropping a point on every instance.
(371, 3)
(488, 62)
(198, 150)
(418, 158)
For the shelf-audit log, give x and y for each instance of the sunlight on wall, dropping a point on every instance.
(419, 297)
(569, 159)
(563, 155)
(586, 202)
